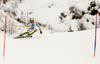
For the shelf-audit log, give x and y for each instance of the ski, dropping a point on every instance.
(18, 37)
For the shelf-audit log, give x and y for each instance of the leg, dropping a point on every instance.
(33, 31)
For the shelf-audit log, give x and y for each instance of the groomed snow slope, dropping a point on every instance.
(55, 48)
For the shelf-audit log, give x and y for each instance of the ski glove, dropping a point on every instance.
(27, 26)
(41, 32)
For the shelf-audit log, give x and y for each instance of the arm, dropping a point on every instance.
(39, 28)
(26, 25)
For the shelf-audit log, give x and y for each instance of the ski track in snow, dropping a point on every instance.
(55, 48)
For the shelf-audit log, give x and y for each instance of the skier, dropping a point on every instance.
(31, 28)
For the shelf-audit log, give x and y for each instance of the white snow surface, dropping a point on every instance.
(52, 48)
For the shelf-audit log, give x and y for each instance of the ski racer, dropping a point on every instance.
(31, 28)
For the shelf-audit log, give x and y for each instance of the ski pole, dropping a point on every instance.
(27, 16)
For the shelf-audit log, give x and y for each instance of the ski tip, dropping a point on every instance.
(16, 37)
